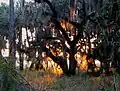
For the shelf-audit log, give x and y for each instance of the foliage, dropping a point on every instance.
(85, 83)
(4, 19)
(40, 80)
(10, 79)
(45, 81)
(7, 80)
(62, 8)
(91, 16)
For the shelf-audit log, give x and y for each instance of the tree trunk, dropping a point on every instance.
(20, 46)
(12, 35)
(21, 61)
(0, 51)
(73, 64)
(71, 70)
(63, 65)
(21, 55)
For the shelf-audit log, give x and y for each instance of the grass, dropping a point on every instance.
(45, 81)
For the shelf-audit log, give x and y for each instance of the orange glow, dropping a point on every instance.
(57, 52)
(49, 64)
(66, 25)
(71, 13)
(63, 24)
(57, 71)
(84, 63)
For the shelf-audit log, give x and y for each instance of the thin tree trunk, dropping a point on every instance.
(12, 37)
(27, 37)
(21, 55)
(21, 61)
(20, 45)
(0, 51)
(12, 46)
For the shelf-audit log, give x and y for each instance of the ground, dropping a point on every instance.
(45, 81)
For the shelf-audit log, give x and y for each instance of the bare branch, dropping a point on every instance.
(55, 21)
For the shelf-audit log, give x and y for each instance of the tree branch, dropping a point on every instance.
(54, 58)
(59, 27)
(51, 7)
(55, 21)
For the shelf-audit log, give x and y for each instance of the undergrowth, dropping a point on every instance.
(45, 81)
(15, 80)
(10, 78)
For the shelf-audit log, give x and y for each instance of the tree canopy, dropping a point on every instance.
(69, 26)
